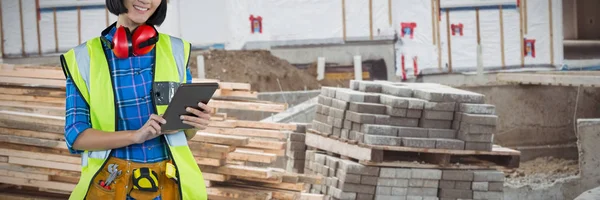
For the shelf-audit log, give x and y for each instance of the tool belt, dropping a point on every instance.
(121, 178)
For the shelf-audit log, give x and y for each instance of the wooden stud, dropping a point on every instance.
(344, 18)
(46, 164)
(215, 177)
(250, 156)
(433, 21)
(371, 19)
(449, 40)
(3, 159)
(37, 183)
(502, 37)
(551, 32)
(246, 132)
(477, 21)
(1, 30)
(390, 12)
(264, 144)
(37, 24)
(521, 45)
(525, 22)
(439, 40)
(55, 30)
(107, 16)
(32, 176)
(79, 25)
(220, 139)
(40, 156)
(210, 161)
(22, 28)
(265, 107)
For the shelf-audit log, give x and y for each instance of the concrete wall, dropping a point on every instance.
(588, 19)
(341, 53)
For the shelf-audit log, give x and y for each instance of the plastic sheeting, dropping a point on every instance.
(512, 35)
(489, 30)
(420, 47)
(29, 19)
(47, 32)
(12, 27)
(357, 18)
(66, 22)
(463, 48)
(538, 28)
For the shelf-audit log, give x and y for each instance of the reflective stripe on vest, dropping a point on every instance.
(88, 68)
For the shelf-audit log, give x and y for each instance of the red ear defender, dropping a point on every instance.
(121, 43)
(144, 39)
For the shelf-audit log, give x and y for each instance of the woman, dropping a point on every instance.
(114, 107)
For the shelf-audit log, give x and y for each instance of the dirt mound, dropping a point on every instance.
(259, 68)
(542, 172)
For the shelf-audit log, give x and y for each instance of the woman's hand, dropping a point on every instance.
(150, 130)
(201, 119)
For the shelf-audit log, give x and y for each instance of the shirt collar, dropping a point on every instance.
(109, 32)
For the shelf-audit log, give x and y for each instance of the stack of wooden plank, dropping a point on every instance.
(34, 157)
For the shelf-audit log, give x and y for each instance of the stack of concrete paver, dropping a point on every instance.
(418, 115)
(344, 179)
(471, 184)
(295, 152)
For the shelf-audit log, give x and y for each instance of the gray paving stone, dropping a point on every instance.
(319, 108)
(360, 117)
(422, 192)
(345, 134)
(389, 197)
(412, 132)
(347, 178)
(366, 189)
(387, 172)
(403, 173)
(429, 174)
(477, 108)
(429, 95)
(359, 137)
(383, 190)
(480, 186)
(332, 162)
(347, 124)
(320, 159)
(349, 95)
(364, 196)
(393, 101)
(462, 96)
(356, 126)
(351, 167)
(320, 118)
(467, 137)
(372, 98)
(382, 140)
(368, 180)
(401, 121)
(431, 123)
(418, 142)
(463, 185)
(449, 144)
(445, 184)
(440, 106)
(354, 84)
(382, 119)
(496, 186)
(328, 91)
(488, 195)
(454, 193)
(457, 175)
(396, 112)
(439, 115)
(455, 124)
(339, 104)
(394, 182)
(299, 137)
(479, 119)
(324, 100)
(371, 108)
(441, 133)
(414, 113)
(479, 146)
(488, 176)
(337, 113)
(399, 191)
(369, 86)
(476, 128)
(399, 91)
(338, 123)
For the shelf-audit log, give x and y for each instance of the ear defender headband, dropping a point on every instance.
(128, 43)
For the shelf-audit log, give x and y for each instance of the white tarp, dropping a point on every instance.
(420, 46)
(68, 37)
(30, 27)
(47, 32)
(463, 48)
(538, 29)
(12, 27)
(512, 41)
(357, 19)
(489, 30)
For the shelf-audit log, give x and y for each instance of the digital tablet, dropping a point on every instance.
(187, 95)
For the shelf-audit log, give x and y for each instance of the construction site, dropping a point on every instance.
(339, 99)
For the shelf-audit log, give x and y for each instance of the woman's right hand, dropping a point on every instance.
(150, 130)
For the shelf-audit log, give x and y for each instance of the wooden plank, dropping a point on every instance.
(220, 139)
(8, 196)
(240, 171)
(278, 194)
(284, 186)
(20, 81)
(265, 144)
(40, 156)
(371, 19)
(46, 164)
(215, 177)
(502, 37)
(247, 132)
(410, 164)
(201, 146)
(32, 98)
(65, 179)
(269, 180)
(239, 105)
(37, 26)
(551, 31)
(210, 161)
(521, 43)
(390, 12)
(55, 30)
(233, 93)
(210, 154)
(33, 141)
(311, 179)
(24, 72)
(3, 159)
(14, 174)
(37, 183)
(42, 110)
(250, 156)
(34, 148)
(30, 103)
(78, 25)
(438, 35)
(449, 40)
(266, 125)
(495, 150)
(477, 21)
(22, 28)
(225, 85)
(308, 196)
(343, 20)
(342, 148)
(549, 79)
(44, 119)
(433, 18)
(39, 170)
(222, 193)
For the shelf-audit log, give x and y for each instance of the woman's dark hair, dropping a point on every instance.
(116, 7)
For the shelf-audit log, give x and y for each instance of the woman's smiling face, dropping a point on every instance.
(139, 11)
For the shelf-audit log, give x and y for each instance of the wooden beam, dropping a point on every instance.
(265, 144)
(215, 177)
(525, 22)
(55, 30)
(269, 180)
(31, 134)
(308, 196)
(250, 156)
(39, 170)
(551, 31)
(57, 93)
(221, 193)
(37, 183)
(390, 12)
(211, 154)
(29, 82)
(339, 147)
(2, 30)
(550, 79)
(239, 105)
(247, 132)
(33, 141)
(42, 110)
(253, 124)
(371, 19)
(502, 37)
(222, 93)
(64, 179)
(78, 25)
(478, 30)
(22, 28)
(32, 98)
(14, 174)
(439, 30)
(40, 156)
(201, 146)
(343, 19)
(37, 24)
(521, 44)
(3, 159)
(433, 21)
(220, 139)
(45, 164)
(210, 161)
(449, 40)
(239, 170)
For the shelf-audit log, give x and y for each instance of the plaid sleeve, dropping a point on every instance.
(77, 115)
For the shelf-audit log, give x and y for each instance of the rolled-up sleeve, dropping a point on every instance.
(77, 115)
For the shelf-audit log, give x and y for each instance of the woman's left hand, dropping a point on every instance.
(200, 119)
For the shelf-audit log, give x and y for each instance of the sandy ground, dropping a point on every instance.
(541, 172)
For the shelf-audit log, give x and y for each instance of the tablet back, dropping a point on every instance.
(187, 95)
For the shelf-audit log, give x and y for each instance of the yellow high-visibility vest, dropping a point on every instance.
(87, 66)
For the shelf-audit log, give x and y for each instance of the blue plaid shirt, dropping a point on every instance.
(132, 78)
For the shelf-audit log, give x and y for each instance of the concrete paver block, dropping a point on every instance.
(371, 108)
(441, 133)
(476, 128)
(399, 191)
(463, 185)
(360, 117)
(337, 113)
(332, 162)
(372, 98)
(445, 184)
(396, 112)
(455, 125)
(354, 84)
(300, 137)
(368, 180)
(383, 190)
(457, 175)
(356, 126)
(382, 140)
(479, 119)
(345, 134)
(488, 195)
(347, 124)
(320, 118)
(366, 189)
(328, 91)
(449, 144)
(431, 123)
(360, 196)
(349, 95)
(488, 176)
(429, 174)
(440, 106)
(477, 108)
(418, 143)
(401, 121)
(339, 104)
(394, 182)
(393, 101)
(369, 86)
(403, 173)
(399, 91)
(430, 95)
(351, 167)
(488, 138)
(385, 130)
(412, 132)
(389, 197)
(496, 186)
(359, 137)
(319, 108)
(385, 172)
(439, 115)
(414, 113)
(480, 186)
(422, 192)
(382, 119)
(320, 159)
(480, 146)
(454, 193)
(338, 122)
(347, 178)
